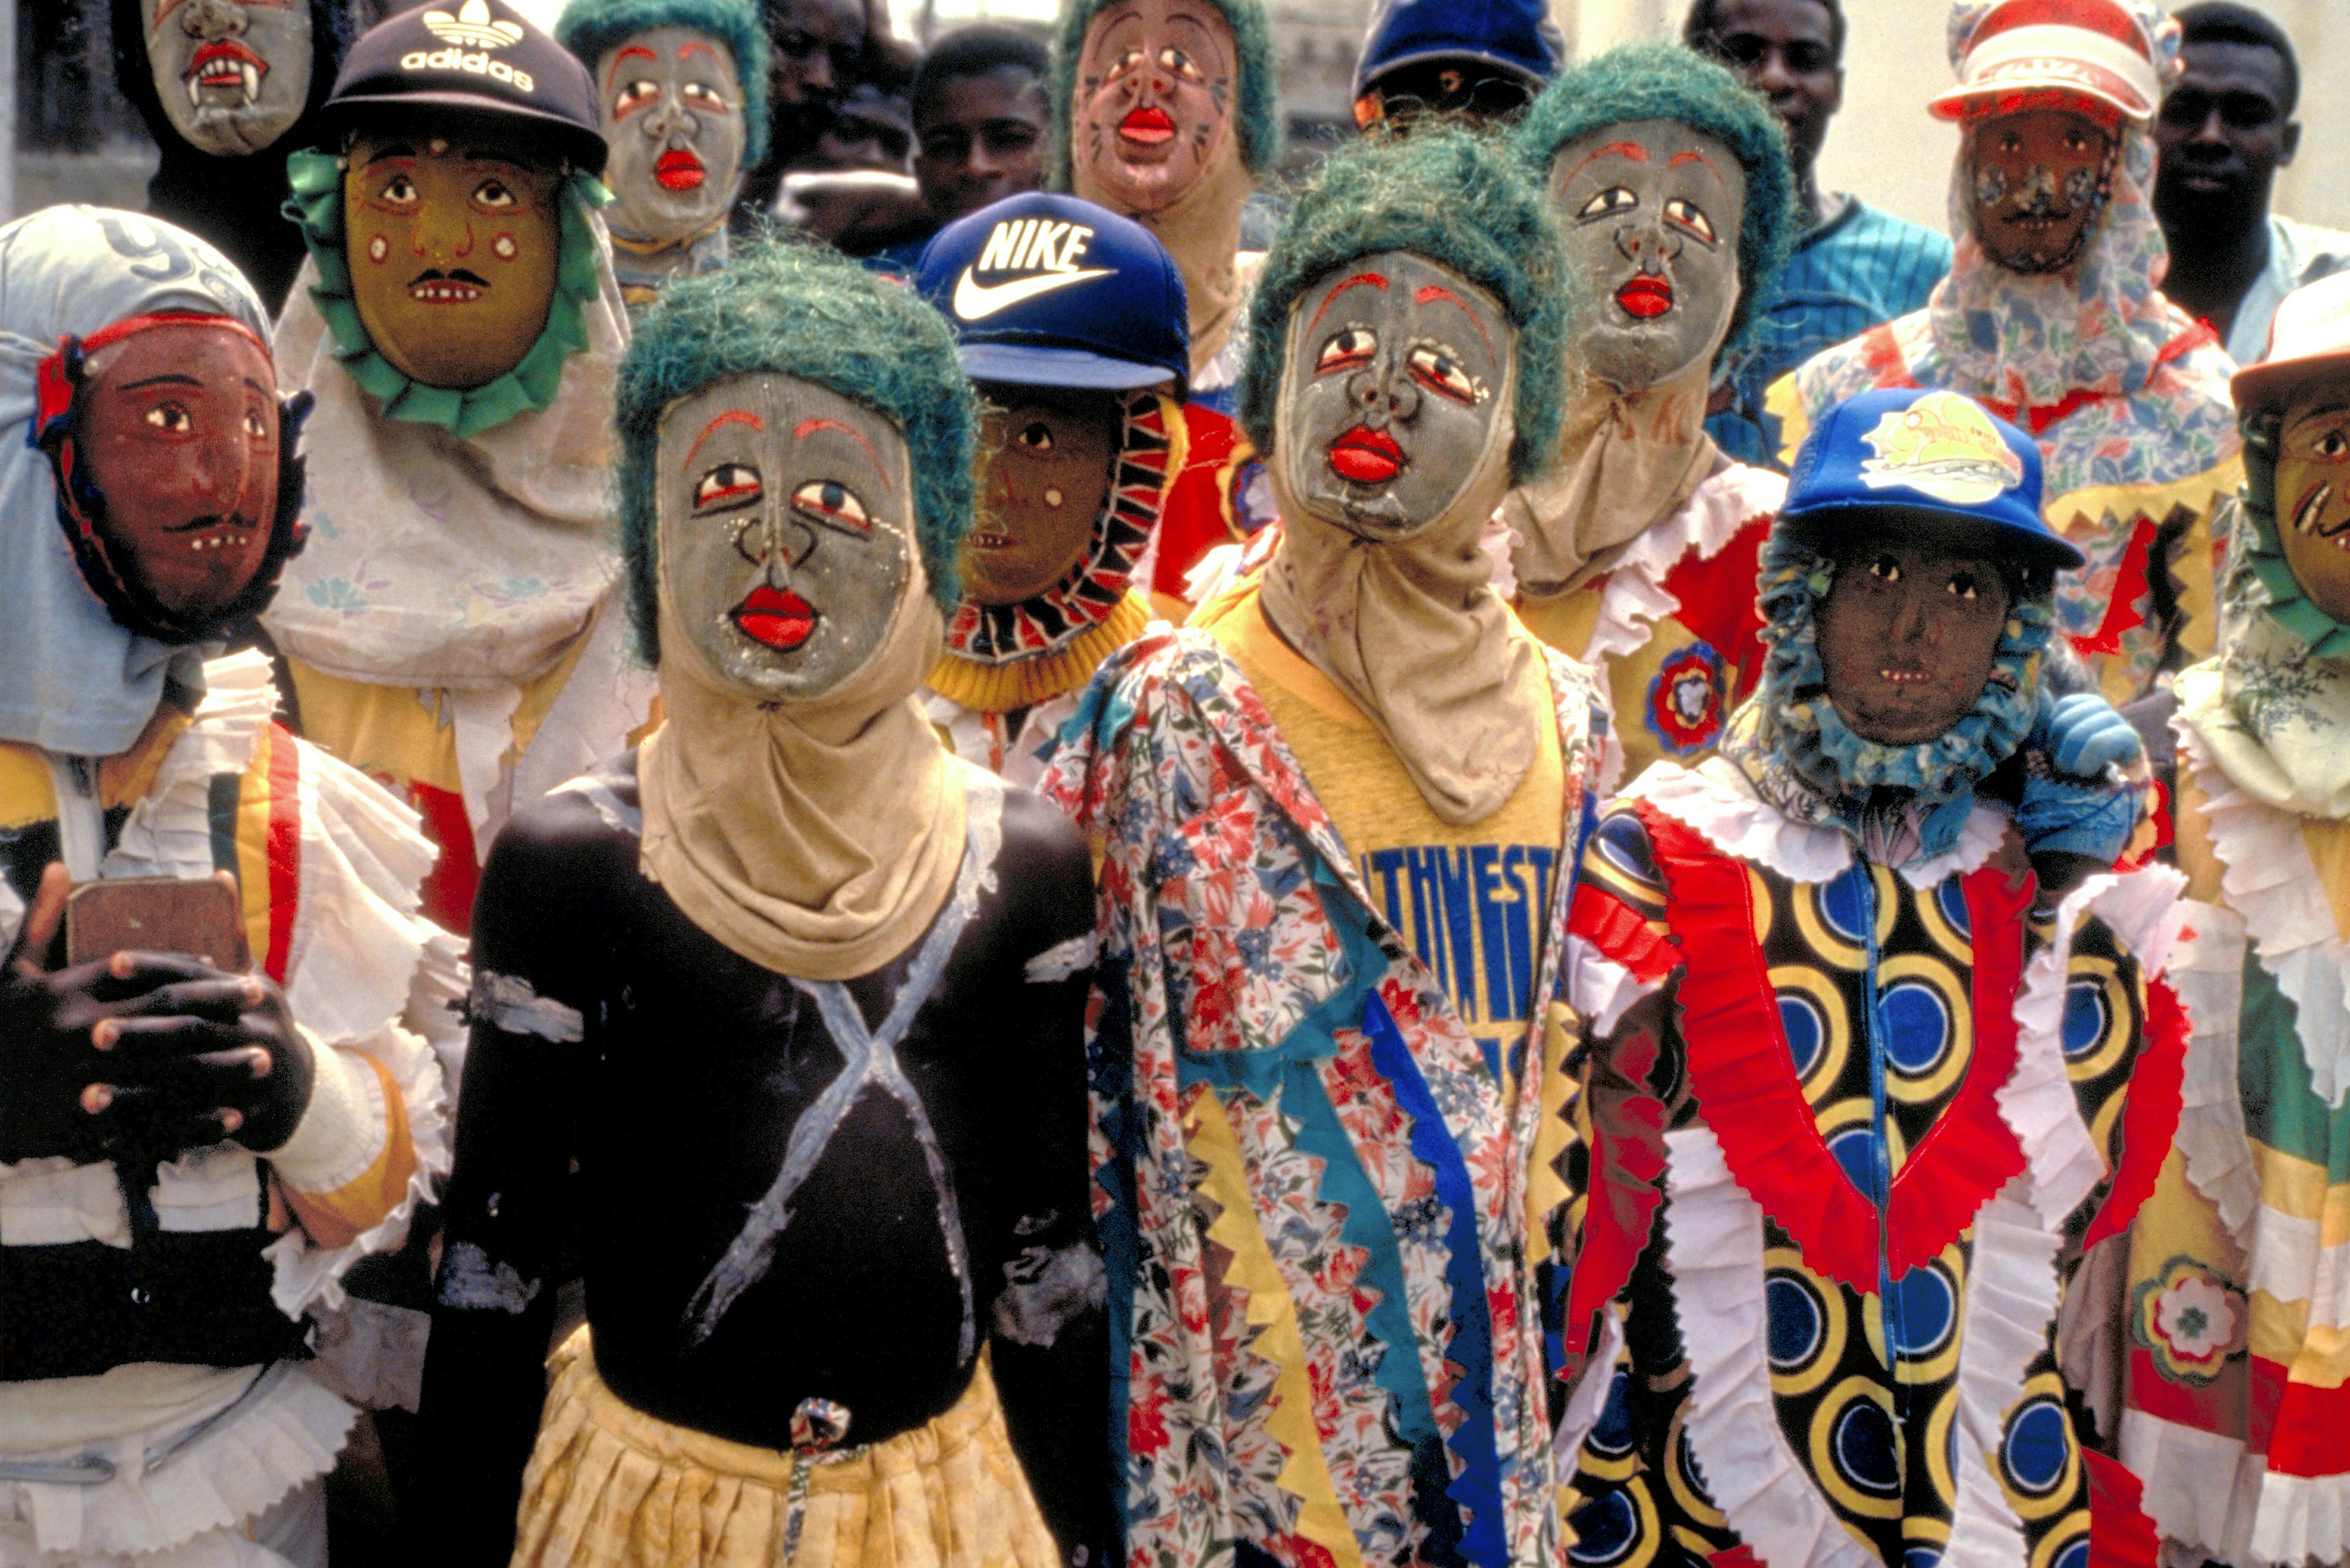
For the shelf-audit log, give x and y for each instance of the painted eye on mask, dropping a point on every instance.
(703, 97)
(1348, 351)
(400, 191)
(637, 95)
(1125, 65)
(2333, 446)
(1174, 60)
(1687, 215)
(493, 195)
(1440, 373)
(1961, 586)
(728, 485)
(171, 419)
(1886, 568)
(257, 427)
(1037, 437)
(1615, 199)
(832, 503)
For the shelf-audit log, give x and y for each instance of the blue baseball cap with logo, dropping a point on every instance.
(1045, 290)
(1934, 457)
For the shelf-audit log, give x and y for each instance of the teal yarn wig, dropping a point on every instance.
(798, 308)
(1456, 199)
(590, 29)
(1256, 118)
(1665, 81)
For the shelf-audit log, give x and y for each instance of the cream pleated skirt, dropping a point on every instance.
(612, 1487)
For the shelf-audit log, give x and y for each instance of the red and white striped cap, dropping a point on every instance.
(2094, 50)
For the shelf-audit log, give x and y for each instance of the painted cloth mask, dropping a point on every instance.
(1651, 212)
(2039, 182)
(452, 251)
(2274, 707)
(1151, 137)
(1392, 441)
(797, 805)
(672, 111)
(175, 486)
(232, 75)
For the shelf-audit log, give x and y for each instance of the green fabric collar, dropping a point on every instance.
(317, 206)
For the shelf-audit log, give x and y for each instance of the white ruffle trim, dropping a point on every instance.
(2302, 1519)
(2272, 882)
(169, 833)
(2177, 1465)
(1587, 1401)
(285, 1434)
(2207, 966)
(2012, 1299)
(2145, 912)
(1600, 989)
(1715, 799)
(1634, 598)
(1713, 1236)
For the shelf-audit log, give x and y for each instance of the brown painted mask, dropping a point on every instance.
(1153, 110)
(1047, 458)
(1908, 639)
(176, 428)
(454, 253)
(2313, 497)
(2038, 182)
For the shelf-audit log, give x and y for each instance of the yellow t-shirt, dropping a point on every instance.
(1469, 900)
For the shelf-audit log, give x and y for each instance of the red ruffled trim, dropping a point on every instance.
(2157, 1091)
(1744, 1077)
(1628, 1169)
(1618, 930)
(2120, 1534)
(2122, 612)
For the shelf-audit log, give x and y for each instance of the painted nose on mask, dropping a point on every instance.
(1638, 242)
(214, 18)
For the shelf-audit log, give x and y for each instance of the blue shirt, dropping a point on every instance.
(1860, 269)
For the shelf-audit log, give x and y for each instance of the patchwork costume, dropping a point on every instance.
(1637, 556)
(1859, 1097)
(454, 628)
(2235, 1407)
(157, 1406)
(2124, 394)
(1335, 815)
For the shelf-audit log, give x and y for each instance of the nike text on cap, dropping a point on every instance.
(472, 58)
(1045, 290)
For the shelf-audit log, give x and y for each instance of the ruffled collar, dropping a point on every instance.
(1898, 802)
(1150, 454)
(317, 205)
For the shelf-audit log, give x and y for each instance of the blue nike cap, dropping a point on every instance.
(1937, 458)
(1044, 290)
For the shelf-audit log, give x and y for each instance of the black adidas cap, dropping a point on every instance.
(481, 56)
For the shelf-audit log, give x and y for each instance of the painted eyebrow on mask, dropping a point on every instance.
(730, 417)
(619, 58)
(1631, 150)
(694, 45)
(809, 427)
(1696, 156)
(1429, 293)
(1360, 280)
(167, 379)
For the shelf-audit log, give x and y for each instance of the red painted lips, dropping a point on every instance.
(1646, 296)
(1366, 456)
(778, 618)
(1150, 126)
(678, 169)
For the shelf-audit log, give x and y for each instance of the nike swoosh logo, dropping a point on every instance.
(976, 302)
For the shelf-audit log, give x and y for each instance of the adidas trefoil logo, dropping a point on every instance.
(473, 34)
(474, 26)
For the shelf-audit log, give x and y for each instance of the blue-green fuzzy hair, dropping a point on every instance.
(1255, 107)
(802, 309)
(1456, 199)
(590, 29)
(1664, 82)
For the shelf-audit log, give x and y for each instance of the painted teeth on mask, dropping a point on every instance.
(2305, 520)
(246, 73)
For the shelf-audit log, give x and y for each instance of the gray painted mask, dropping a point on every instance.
(1651, 212)
(1397, 375)
(785, 532)
(669, 104)
(233, 74)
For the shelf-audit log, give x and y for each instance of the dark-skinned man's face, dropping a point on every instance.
(816, 44)
(1786, 51)
(979, 139)
(2222, 133)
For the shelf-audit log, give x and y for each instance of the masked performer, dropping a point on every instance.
(1859, 1094)
(2236, 1409)
(2053, 317)
(1166, 114)
(1637, 555)
(870, 1217)
(1336, 817)
(1082, 436)
(682, 95)
(454, 625)
(195, 1144)
(228, 88)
